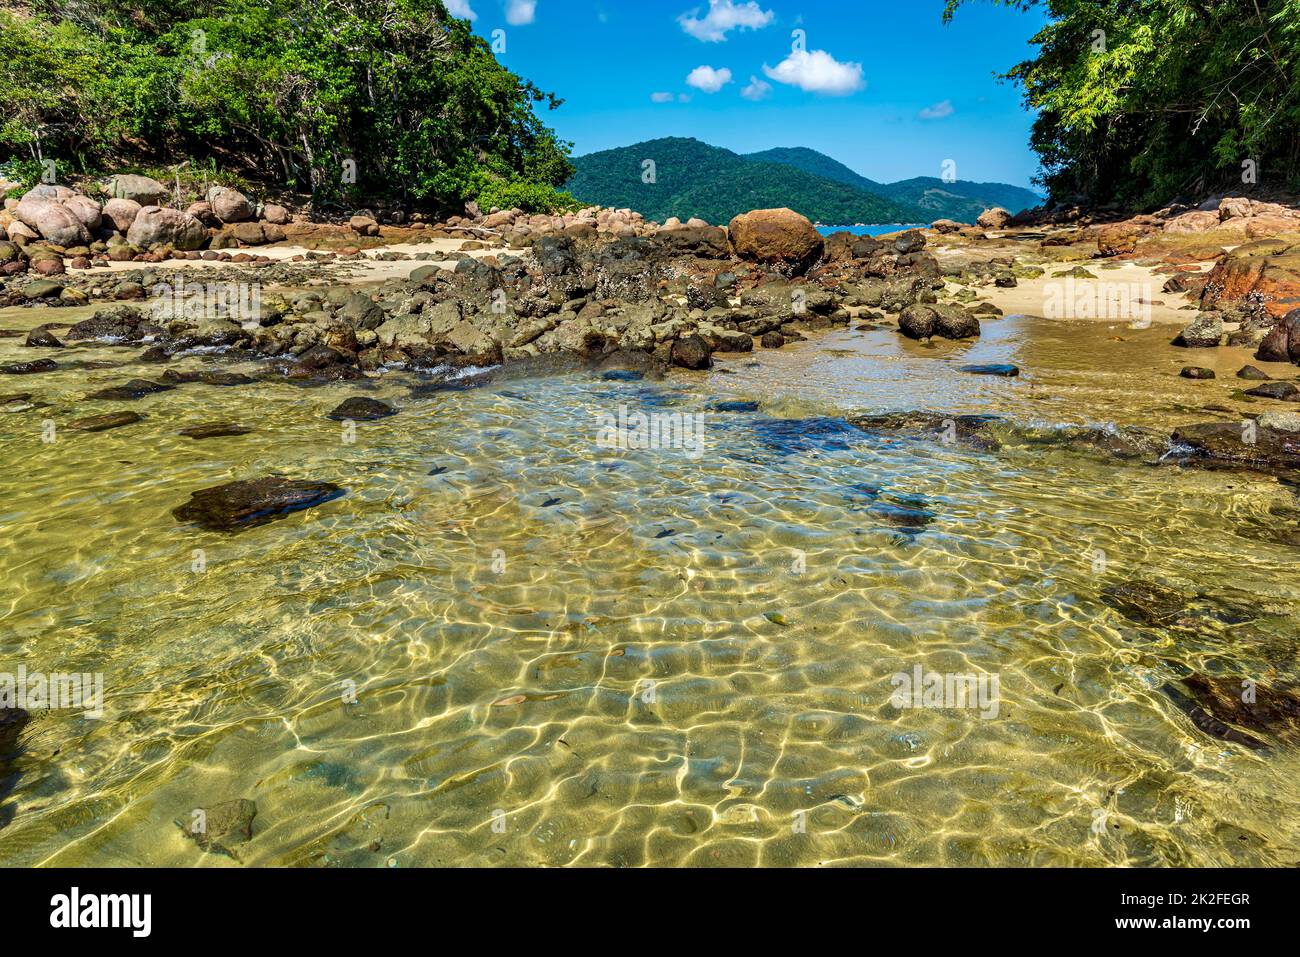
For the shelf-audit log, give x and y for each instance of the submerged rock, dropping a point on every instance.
(42, 339)
(1250, 372)
(102, 423)
(1146, 602)
(362, 409)
(1197, 372)
(29, 368)
(135, 389)
(1226, 443)
(214, 430)
(1207, 723)
(239, 505)
(218, 829)
(995, 369)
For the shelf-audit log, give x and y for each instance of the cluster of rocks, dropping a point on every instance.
(675, 297)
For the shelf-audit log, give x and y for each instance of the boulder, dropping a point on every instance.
(1266, 271)
(364, 225)
(121, 213)
(917, 322)
(154, 224)
(1204, 332)
(276, 215)
(53, 221)
(1282, 344)
(241, 505)
(995, 218)
(692, 352)
(946, 226)
(776, 237)
(362, 409)
(139, 189)
(229, 205)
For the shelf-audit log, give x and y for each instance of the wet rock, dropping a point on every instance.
(1147, 603)
(1204, 332)
(207, 377)
(1247, 703)
(772, 340)
(1207, 723)
(214, 430)
(1197, 372)
(218, 829)
(154, 355)
(1225, 443)
(1280, 421)
(993, 369)
(906, 518)
(691, 352)
(247, 504)
(1250, 372)
(124, 323)
(917, 322)
(102, 423)
(1282, 391)
(362, 409)
(42, 339)
(134, 389)
(29, 368)
(955, 322)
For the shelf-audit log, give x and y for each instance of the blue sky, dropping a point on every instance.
(881, 85)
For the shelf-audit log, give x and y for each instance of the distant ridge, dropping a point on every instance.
(695, 179)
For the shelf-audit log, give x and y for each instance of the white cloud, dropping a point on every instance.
(662, 97)
(462, 9)
(817, 72)
(520, 13)
(940, 111)
(708, 80)
(723, 17)
(757, 90)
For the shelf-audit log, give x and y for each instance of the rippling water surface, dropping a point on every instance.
(572, 655)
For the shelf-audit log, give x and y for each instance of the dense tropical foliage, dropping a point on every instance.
(1141, 101)
(359, 98)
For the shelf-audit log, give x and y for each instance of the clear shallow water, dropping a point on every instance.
(621, 658)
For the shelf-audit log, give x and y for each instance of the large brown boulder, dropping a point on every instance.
(995, 218)
(230, 205)
(1266, 271)
(776, 237)
(154, 224)
(1283, 343)
(121, 213)
(1196, 221)
(53, 220)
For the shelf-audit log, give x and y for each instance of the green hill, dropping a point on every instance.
(962, 200)
(695, 179)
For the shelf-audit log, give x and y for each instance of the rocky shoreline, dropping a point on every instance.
(605, 288)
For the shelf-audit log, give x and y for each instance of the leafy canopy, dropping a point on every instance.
(1140, 101)
(287, 90)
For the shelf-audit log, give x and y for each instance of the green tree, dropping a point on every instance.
(1140, 101)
